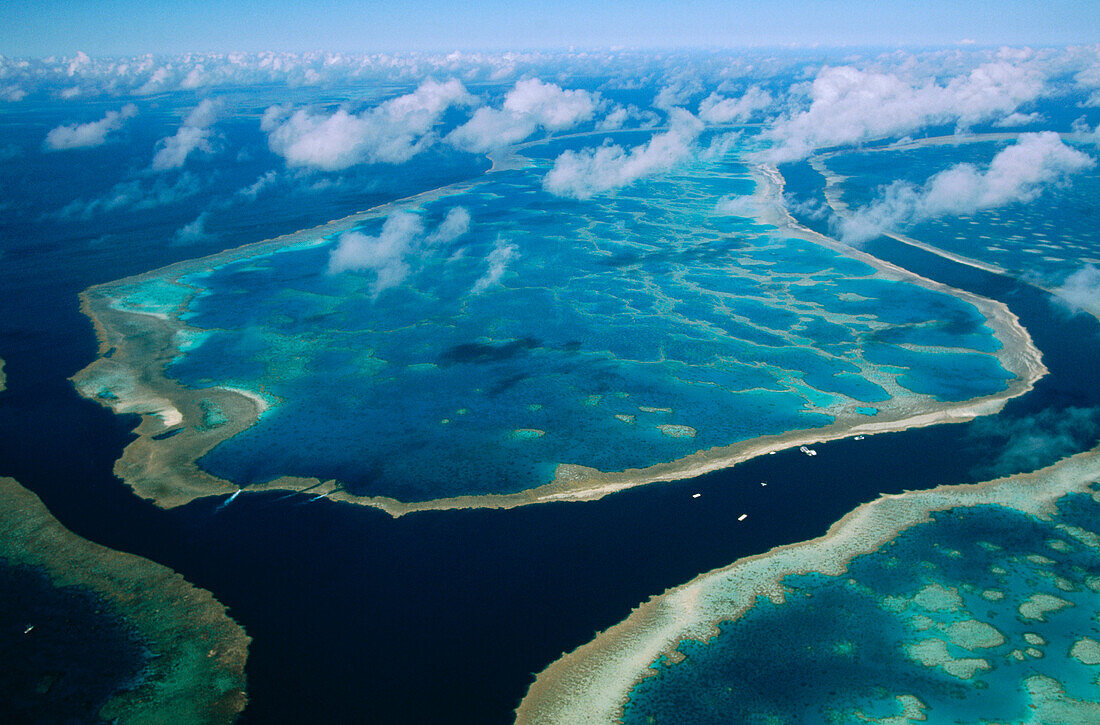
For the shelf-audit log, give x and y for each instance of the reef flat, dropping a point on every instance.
(557, 351)
(193, 667)
(977, 603)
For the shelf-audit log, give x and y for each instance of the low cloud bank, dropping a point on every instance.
(88, 135)
(1019, 173)
(850, 106)
(392, 132)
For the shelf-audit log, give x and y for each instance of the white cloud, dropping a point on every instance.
(678, 92)
(389, 254)
(1081, 291)
(194, 232)
(1020, 119)
(552, 107)
(1018, 173)
(392, 132)
(258, 186)
(716, 109)
(620, 116)
(12, 92)
(134, 195)
(748, 206)
(498, 260)
(1084, 134)
(530, 104)
(1089, 80)
(87, 135)
(491, 129)
(454, 225)
(194, 134)
(384, 255)
(850, 106)
(583, 174)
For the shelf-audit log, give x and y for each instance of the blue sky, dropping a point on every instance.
(124, 27)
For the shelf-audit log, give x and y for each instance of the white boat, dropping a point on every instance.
(807, 451)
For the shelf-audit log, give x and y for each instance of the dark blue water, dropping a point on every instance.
(443, 617)
(64, 652)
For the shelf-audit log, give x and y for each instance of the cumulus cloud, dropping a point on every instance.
(194, 232)
(194, 134)
(257, 187)
(12, 92)
(392, 132)
(585, 173)
(498, 261)
(454, 225)
(1081, 291)
(748, 206)
(716, 109)
(850, 106)
(134, 195)
(678, 92)
(1086, 135)
(619, 116)
(1019, 119)
(1018, 173)
(389, 254)
(530, 104)
(384, 255)
(1089, 80)
(87, 135)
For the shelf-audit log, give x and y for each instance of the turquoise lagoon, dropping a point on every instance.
(1043, 241)
(984, 614)
(619, 332)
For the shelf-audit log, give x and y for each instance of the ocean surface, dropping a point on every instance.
(436, 616)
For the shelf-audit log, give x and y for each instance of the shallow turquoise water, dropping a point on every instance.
(804, 662)
(628, 330)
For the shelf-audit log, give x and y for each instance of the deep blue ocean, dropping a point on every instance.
(438, 616)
